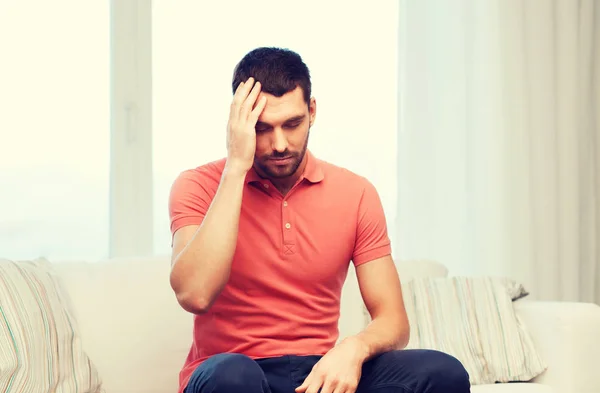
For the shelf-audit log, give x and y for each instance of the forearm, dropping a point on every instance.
(202, 268)
(384, 333)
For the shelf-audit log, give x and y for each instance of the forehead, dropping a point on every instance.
(279, 109)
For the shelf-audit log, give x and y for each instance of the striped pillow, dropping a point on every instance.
(40, 346)
(472, 319)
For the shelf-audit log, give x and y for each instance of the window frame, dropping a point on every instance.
(131, 170)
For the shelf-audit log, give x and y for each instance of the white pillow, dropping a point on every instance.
(472, 319)
(40, 346)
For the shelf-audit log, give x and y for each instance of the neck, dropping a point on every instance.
(284, 185)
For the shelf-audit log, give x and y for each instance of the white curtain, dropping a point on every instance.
(499, 141)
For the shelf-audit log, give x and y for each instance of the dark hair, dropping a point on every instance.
(278, 70)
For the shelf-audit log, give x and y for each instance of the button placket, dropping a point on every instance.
(289, 238)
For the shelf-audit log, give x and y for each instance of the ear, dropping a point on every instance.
(312, 109)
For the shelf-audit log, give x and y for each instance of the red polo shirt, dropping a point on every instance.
(291, 259)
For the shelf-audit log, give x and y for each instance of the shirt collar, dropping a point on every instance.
(313, 172)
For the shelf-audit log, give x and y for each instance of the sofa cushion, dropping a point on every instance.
(132, 326)
(40, 345)
(473, 319)
(407, 270)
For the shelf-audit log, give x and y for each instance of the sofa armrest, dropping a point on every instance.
(567, 336)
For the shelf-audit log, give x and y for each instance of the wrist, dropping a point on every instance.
(363, 350)
(235, 171)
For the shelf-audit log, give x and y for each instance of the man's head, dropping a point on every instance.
(283, 127)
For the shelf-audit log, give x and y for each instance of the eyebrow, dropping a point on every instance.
(294, 119)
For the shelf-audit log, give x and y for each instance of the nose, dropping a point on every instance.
(279, 142)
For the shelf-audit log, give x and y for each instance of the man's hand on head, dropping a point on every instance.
(241, 133)
(339, 371)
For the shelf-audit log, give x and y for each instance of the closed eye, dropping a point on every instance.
(290, 124)
(294, 125)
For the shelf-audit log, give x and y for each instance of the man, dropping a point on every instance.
(262, 242)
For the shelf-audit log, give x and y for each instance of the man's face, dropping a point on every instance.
(282, 134)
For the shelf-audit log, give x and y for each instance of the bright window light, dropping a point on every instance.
(54, 129)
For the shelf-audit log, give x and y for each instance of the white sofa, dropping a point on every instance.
(138, 336)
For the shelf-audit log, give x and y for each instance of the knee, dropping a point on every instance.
(235, 370)
(444, 373)
(228, 372)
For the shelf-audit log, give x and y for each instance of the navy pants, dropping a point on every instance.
(406, 371)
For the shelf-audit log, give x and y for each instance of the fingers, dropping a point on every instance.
(244, 97)
(302, 388)
(313, 383)
(345, 388)
(328, 387)
(260, 106)
(314, 386)
(248, 103)
(238, 98)
(308, 384)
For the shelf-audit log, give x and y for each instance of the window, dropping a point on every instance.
(54, 129)
(350, 48)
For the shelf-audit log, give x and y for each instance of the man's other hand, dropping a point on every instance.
(339, 371)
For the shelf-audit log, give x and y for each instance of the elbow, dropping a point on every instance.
(193, 304)
(196, 292)
(403, 336)
(189, 300)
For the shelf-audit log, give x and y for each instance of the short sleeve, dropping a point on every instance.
(189, 200)
(372, 240)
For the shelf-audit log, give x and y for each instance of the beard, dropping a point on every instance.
(273, 170)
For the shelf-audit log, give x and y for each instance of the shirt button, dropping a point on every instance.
(266, 185)
(284, 203)
(288, 226)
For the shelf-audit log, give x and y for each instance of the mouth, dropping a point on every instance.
(281, 161)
